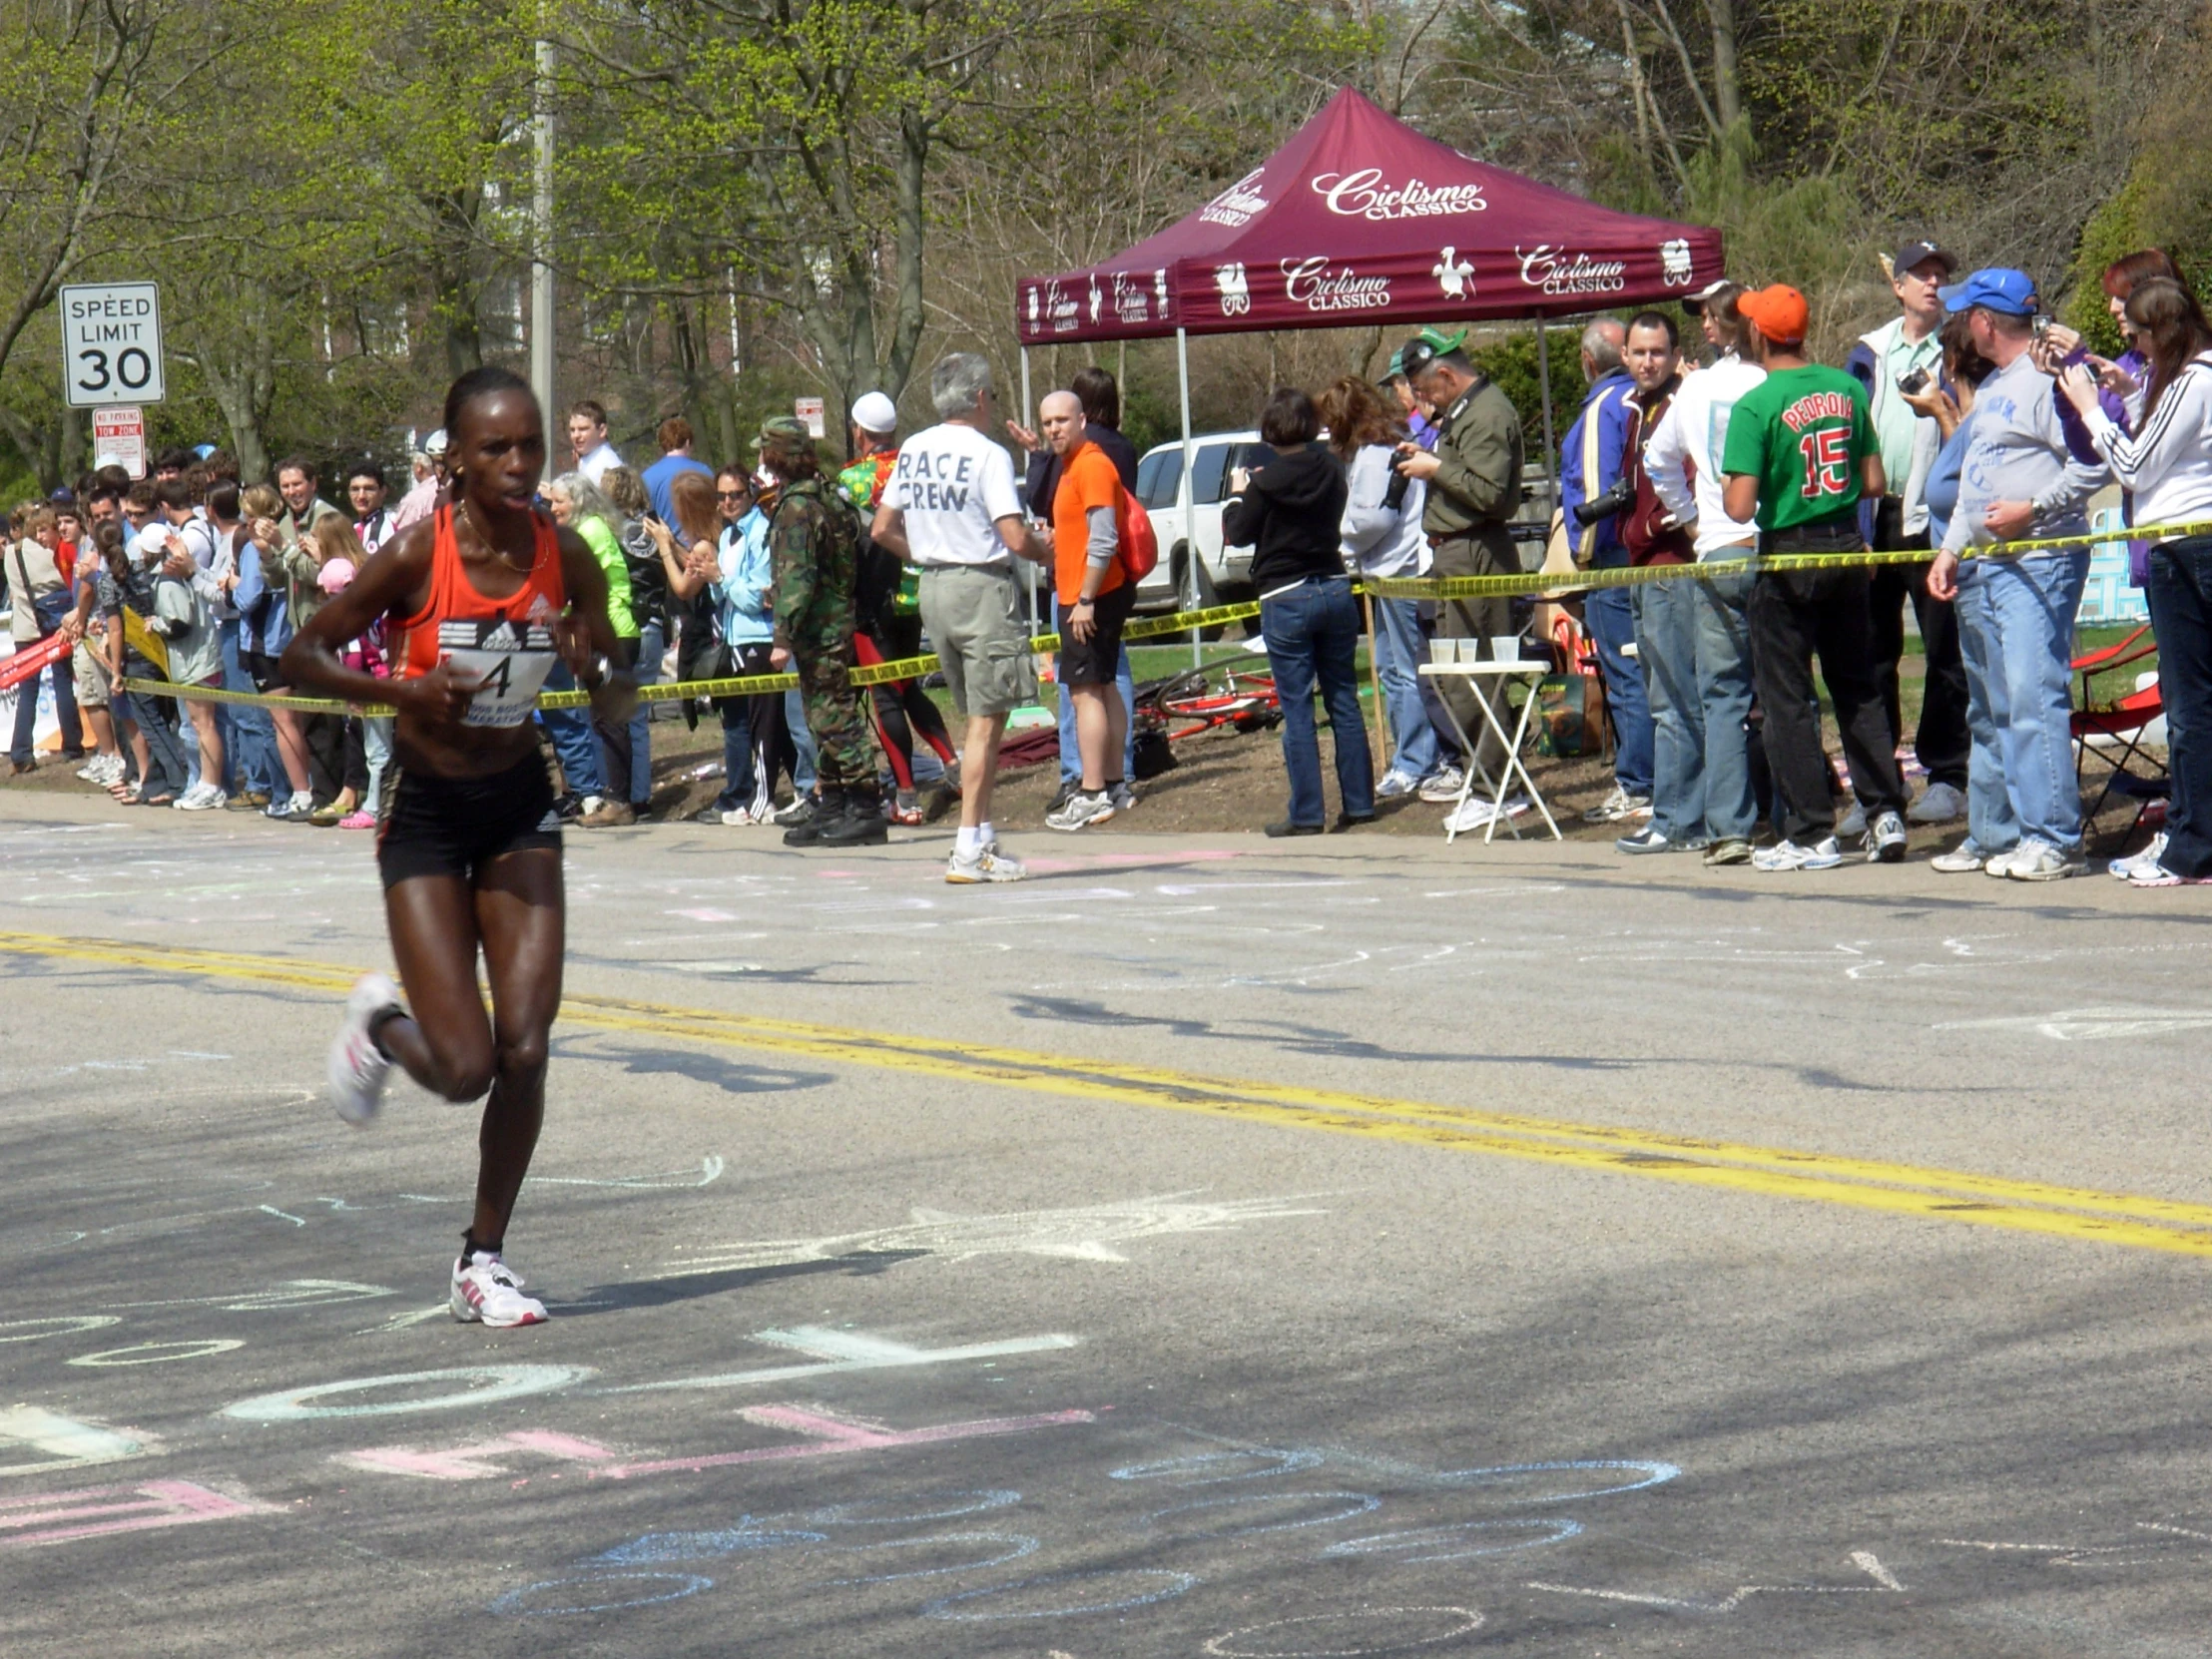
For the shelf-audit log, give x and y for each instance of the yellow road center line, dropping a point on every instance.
(1935, 1194)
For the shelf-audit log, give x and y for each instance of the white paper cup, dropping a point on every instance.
(1443, 651)
(1505, 648)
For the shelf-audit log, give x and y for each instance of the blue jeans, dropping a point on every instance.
(1312, 633)
(1666, 616)
(49, 611)
(570, 730)
(167, 771)
(1610, 621)
(2031, 603)
(250, 741)
(2181, 607)
(795, 719)
(1992, 826)
(651, 647)
(1071, 757)
(1398, 655)
(1724, 687)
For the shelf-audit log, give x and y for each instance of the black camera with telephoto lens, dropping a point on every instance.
(1606, 505)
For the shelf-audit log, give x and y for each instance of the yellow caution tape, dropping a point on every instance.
(1531, 584)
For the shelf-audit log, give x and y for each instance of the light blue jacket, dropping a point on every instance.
(746, 579)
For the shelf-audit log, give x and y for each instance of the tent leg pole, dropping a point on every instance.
(1190, 489)
(1033, 620)
(1551, 444)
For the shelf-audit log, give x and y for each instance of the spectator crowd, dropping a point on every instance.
(1969, 418)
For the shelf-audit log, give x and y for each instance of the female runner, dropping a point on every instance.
(481, 598)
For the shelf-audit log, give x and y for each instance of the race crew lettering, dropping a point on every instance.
(1555, 270)
(1364, 195)
(926, 483)
(1310, 282)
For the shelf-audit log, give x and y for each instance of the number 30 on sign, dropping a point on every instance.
(111, 344)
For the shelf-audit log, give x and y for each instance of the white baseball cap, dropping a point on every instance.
(874, 412)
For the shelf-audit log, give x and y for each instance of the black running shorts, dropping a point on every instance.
(1095, 661)
(458, 826)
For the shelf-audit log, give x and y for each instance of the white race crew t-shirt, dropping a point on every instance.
(953, 484)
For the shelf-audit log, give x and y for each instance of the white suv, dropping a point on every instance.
(1186, 519)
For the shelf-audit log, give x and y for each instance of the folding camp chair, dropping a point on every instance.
(2136, 773)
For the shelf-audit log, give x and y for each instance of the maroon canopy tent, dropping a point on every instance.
(1359, 220)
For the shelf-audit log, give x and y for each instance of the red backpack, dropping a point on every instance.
(1140, 546)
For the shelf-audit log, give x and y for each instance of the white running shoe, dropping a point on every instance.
(1442, 784)
(357, 1068)
(988, 864)
(2041, 861)
(1787, 854)
(1884, 842)
(487, 1291)
(201, 797)
(1618, 807)
(1395, 783)
(1962, 860)
(1081, 810)
(2142, 864)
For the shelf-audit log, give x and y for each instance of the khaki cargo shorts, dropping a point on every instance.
(981, 636)
(91, 675)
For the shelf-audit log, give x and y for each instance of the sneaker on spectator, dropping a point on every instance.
(2142, 862)
(293, 809)
(800, 811)
(1475, 812)
(202, 797)
(1647, 839)
(1122, 796)
(1395, 783)
(2041, 861)
(1938, 804)
(1787, 854)
(360, 818)
(1729, 850)
(1853, 824)
(1962, 860)
(357, 1068)
(1999, 865)
(1444, 783)
(986, 863)
(904, 808)
(2158, 876)
(1884, 842)
(487, 1291)
(248, 800)
(607, 815)
(1618, 807)
(1081, 811)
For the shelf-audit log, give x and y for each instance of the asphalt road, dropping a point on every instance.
(1212, 1247)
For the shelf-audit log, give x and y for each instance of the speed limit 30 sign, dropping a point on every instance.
(112, 343)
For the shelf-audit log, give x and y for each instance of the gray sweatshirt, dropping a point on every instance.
(2018, 453)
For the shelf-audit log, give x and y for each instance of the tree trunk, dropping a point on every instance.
(1728, 96)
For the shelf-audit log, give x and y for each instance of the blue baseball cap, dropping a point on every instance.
(1993, 289)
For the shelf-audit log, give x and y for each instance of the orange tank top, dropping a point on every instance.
(508, 642)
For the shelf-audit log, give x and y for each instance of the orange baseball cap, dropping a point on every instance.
(1778, 311)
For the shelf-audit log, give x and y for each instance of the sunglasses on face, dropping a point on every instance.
(732, 496)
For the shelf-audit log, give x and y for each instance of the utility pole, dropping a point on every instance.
(541, 250)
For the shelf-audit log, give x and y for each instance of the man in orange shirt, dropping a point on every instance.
(1096, 597)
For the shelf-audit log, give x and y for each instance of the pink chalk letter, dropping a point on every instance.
(54, 1517)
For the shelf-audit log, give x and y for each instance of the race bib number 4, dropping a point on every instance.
(511, 661)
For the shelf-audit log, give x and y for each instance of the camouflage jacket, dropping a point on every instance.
(812, 548)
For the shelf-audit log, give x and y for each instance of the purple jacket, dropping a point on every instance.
(2138, 366)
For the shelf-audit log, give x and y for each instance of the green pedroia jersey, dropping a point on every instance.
(1801, 433)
